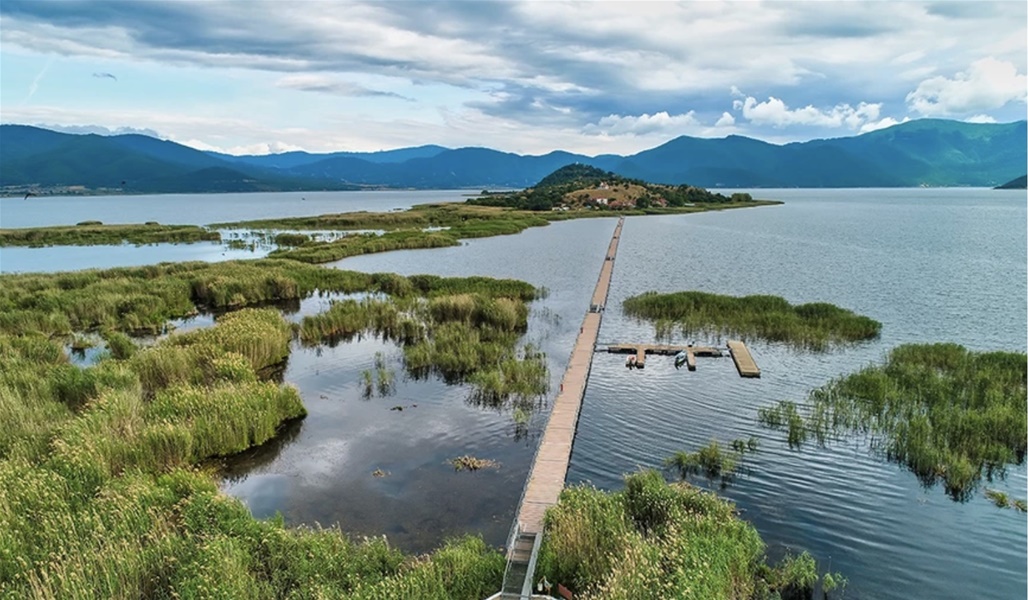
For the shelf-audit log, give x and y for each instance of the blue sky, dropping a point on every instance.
(526, 77)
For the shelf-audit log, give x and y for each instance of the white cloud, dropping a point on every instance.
(260, 148)
(643, 124)
(726, 120)
(981, 118)
(776, 113)
(986, 85)
(882, 124)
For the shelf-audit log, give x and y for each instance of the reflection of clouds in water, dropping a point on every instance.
(263, 494)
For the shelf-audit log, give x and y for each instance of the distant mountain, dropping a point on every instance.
(1020, 183)
(31, 158)
(289, 160)
(923, 152)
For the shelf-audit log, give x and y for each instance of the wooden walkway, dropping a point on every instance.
(743, 360)
(546, 478)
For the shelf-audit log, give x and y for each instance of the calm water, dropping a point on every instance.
(201, 209)
(931, 265)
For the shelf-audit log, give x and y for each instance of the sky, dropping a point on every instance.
(256, 77)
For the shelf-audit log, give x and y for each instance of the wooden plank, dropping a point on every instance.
(744, 362)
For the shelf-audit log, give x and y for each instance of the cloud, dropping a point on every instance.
(980, 119)
(523, 70)
(881, 124)
(316, 82)
(988, 84)
(776, 113)
(100, 130)
(643, 124)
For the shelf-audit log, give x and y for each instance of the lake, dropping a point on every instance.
(930, 264)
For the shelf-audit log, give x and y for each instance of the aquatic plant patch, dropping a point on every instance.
(814, 326)
(654, 540)
(948, 414)
(96, 234)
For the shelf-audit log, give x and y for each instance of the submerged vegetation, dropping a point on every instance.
(472, 463)
(712, 460)
(948, 414)
(816, 326)
(94, 233)
(655, 540)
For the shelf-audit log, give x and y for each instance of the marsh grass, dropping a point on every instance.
(99, 495)
(948, 414)
(144, 299)
(95, 234)
(654, 540)
(813, 326)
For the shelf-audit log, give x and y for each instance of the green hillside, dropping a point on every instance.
(582, 186)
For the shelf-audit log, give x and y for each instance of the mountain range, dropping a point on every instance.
(929, 152)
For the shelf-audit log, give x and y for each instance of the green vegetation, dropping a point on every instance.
(97, 465)
(712, 460)
(946, 413)
(144, 299)
(94, 233)
(461, 337)
(471, 463)
(814, 326)
(581, 185)
(292, 239)
(655, 540)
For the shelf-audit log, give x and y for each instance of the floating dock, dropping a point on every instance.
(641, 350)
(744, 362)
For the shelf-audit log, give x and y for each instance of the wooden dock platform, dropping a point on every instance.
(744, 362)
(641, 350)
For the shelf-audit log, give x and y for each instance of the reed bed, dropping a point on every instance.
(654, 540)
(96, 234)
(144, 299)
(366, 243)
(464, 337)
(99, 496)
(950, 415)
(813, 326)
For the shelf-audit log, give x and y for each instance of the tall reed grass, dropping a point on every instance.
(948, 414)
(654, 540)
(99, 234)
(815, 326)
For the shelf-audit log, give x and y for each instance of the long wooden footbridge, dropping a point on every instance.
(549, 469)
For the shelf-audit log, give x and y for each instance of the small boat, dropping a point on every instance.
(680, 359)
(630, 363)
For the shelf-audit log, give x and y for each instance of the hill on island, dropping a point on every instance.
(1020, 183)
(925, 152)
(583, 186)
